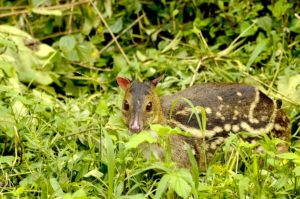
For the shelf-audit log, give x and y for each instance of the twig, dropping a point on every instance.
(124, 31)
(14, 13)
(12, 7)
(196, 72)
(91, 67)
(110, 32)
(57, 34)
(71, 18)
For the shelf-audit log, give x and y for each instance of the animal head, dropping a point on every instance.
(141, 105)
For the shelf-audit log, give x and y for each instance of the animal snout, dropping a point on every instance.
(135, 126)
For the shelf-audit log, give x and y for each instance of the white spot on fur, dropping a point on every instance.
(239, 94)
(227, 127)
(218, 114)
(221, 107)
(220, 140)
(235, 114)
(208, 110)
(217, 129)
(278, 127)
(213, 146)
(220, 98)
(235, 128)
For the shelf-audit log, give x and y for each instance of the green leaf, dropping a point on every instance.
(162, 186)
(289, 156)
(8, 68)
(289, 86)
(111, 164)
(280, 8)
(246, 30)
(67, 43)
(137, 139)
(102, 108)
(297, 171)
(7, 159)
(56, 187)
(295, 25)
(117, 26)
(94, 173)
(261, 46)
(79, 194)
(178, 181)
(265, 23)
(243, 186)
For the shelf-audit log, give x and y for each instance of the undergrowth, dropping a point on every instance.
(61, 130)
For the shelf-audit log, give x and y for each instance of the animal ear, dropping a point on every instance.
(157, 80)
(123, 82)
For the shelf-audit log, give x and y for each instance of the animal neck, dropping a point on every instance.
(159, 117)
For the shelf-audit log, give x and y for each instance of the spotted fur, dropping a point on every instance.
(229, 108)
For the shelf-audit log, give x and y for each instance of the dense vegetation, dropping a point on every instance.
(61, 129)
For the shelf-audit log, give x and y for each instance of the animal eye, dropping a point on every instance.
(149, 107)
(126, 105)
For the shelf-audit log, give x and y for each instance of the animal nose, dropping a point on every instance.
(135, 126)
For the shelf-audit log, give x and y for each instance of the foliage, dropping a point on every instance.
(61, 130)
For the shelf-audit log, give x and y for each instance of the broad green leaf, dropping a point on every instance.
(289, 156)
(102, 108)
(246, 30)
(95, 173)
(137, 139)
(178, 182)
(7, 159)
(261, 46)
(29, 62)
(19, 109)
(162, 186)
(56, 187)
(163, 130)
(67, 43)
(79, 194)
(243, 187)
(119, 63)
(117, 26)
(295, 25)
(265, 23)
(140, 56)
(297, 171)
(280, 8)
(20, 190)
(8, 68)
(7, 123)
(289, 86)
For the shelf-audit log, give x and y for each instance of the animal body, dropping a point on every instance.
(229, 108)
